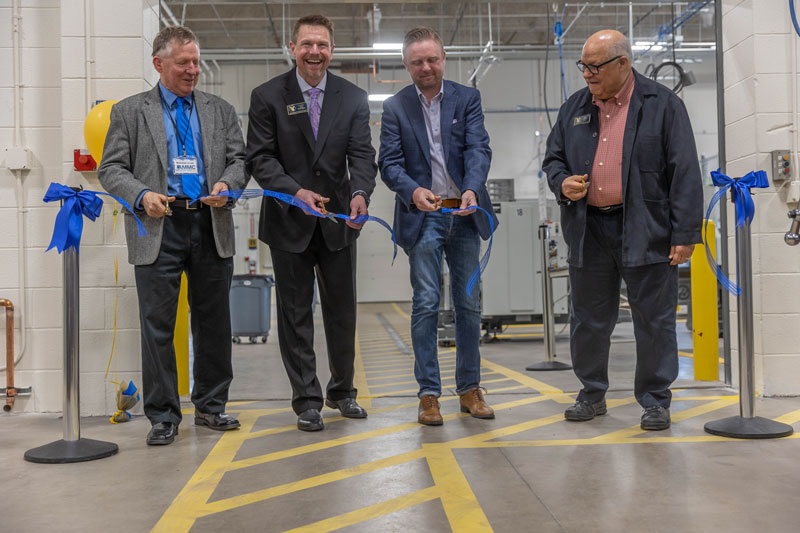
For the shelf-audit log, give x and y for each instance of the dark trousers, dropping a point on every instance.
(294, 290)
(594, 307)
(187, 245)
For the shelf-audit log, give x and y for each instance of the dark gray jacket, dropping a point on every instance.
(661, 182)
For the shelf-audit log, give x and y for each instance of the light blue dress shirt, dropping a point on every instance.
(442, 184)
(169, 107)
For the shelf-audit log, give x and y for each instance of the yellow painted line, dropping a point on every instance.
(789, 418)
(462, 508)
(237, 404)
(370, 512)
(414, 381)
(512, 335)
(393, 376)
(360, 377)
(400, 311)
(373, 373)
(679, 416)
(533, 383)
(524, 325)
(190, 502)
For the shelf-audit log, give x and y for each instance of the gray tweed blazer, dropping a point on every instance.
(135, 159)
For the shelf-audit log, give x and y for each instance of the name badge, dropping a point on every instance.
(583, 119)
(184, 165)
(296, 109)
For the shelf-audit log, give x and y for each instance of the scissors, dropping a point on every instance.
(329, 216)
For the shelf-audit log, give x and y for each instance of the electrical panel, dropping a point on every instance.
(781, 165)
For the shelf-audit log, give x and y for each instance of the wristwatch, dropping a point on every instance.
(361, 193)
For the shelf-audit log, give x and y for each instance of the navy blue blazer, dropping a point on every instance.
(661, 184)
(405, 155)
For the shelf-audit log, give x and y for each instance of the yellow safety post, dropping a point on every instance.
(181, 340)
(705, 325)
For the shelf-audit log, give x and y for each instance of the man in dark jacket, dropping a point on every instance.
(622, 161)
(309, 137)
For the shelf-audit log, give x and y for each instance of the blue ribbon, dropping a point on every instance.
(475, 277)
(745, 211)
(77, 204)
(292, 200)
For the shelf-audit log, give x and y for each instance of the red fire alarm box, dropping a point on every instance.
(84, 160)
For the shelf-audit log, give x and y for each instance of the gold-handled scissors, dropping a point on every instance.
(325, 212)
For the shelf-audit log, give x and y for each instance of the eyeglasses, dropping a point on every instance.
(594, 69)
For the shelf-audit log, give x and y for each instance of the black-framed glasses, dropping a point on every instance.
(594, 69)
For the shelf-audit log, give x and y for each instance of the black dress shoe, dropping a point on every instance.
(310, 420)
(655, 418)
(348, 407)
(581, 411)
(218, 421)
(162, 433)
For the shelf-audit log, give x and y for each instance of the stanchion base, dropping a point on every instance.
(738, 427)
(75, 451)
(548, 365)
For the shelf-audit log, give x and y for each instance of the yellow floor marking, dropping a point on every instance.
(401, 312)
(404, 367)
(512, 335)
(414, 381)
(237, 404)
(360, 377)
(372, 511)
(524, 325)
(533, 383)
(789, 418)
(463, 510)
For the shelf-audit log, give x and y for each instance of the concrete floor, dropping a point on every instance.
(527, 470)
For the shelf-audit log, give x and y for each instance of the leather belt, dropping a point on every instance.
(186, 203)
(450, 203)
(605, 210)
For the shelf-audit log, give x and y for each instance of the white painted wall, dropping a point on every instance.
(757, 41)
(53, 111)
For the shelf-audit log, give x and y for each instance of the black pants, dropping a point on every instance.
(187, 245)
(294, 290)
(653, 297)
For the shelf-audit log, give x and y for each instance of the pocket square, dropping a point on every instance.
(455, 120)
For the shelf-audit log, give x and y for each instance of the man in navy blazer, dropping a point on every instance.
(435, 153)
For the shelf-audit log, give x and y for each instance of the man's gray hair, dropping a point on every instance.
(621, 47)
(162, 44)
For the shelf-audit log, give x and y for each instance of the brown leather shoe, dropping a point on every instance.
(472, 402)
(428, 412)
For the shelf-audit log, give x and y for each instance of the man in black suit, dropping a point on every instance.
(309, 137)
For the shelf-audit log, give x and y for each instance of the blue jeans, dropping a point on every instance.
(457, 238)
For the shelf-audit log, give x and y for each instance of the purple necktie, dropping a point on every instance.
(314, 109)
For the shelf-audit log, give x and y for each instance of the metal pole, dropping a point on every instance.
(548, 320)
(71, 407)
(747, 425)
(547, 294)
(72, 448)
(744, 266)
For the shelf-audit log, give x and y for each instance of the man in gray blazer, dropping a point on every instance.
(170, 152)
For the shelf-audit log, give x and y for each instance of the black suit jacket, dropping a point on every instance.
(283, 156)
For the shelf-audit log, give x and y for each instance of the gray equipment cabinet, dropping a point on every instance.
(250, 307)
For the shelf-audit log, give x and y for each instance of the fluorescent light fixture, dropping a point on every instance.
(388, 46)
(379, 97)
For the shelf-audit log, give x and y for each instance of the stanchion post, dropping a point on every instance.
(72, 448)
(747, 425)
(548, 319)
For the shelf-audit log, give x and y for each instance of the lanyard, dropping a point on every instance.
(174, 123)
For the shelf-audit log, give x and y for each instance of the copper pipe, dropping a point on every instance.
(11, 392)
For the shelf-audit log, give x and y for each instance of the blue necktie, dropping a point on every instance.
(190, 183)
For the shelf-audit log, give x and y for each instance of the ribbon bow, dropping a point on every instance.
(77, 204)
(745, 211)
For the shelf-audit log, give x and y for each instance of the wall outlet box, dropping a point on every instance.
(18, 158)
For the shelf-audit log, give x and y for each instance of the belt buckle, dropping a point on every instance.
(190, 206)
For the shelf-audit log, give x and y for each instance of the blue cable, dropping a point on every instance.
(558, 31)
(794, 17)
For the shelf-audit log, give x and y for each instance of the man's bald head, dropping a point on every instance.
(611, 51)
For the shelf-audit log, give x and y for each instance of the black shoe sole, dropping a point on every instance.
(482, 417)
(659, 427)
(575, 418)
(203, 422)
(334, 406)
(310, 428)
